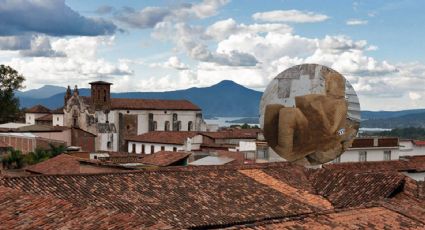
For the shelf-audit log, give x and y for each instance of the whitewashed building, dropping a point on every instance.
(156, 141)
(113, 119)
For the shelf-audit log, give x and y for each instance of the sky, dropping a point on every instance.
(168, 45)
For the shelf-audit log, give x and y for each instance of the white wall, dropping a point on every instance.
(407, 148)
(419, 176)
(58, 120)
(376, 154)
(157, 147)
(102, 140)
(30, 117)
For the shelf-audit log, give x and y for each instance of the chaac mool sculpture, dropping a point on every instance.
(316, 128)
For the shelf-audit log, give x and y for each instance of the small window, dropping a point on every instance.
(95, 157)
(162, 148)
(167, 126)
(189, 126)
(143, 149)
(152, 148)
(362, 156)
(109, 145)
(57, 118)
(387, 155)
(128, 127)
(128, 111)
(174, 149)
(134, 148)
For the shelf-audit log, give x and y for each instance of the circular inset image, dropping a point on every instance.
(310, 114)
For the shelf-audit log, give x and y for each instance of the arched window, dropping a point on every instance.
(189, 126)
(167, 126)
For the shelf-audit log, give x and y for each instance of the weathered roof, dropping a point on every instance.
(41, 128)
(388, 142)
(64, 164)
(419, 142)
(58, 111)
(253, 196)
(152, 104)
(165, 137)
(212, 160)
(38, 109)
(47, 117)
(164, 158)
(409, 163)
(234, 134)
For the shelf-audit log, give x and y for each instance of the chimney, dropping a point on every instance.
(67, 95)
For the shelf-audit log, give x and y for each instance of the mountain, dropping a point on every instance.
(225, 99)
(410, 120)
(43, 92)
(372, 115)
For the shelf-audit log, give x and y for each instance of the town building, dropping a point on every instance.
(113, 119)
(156, 141)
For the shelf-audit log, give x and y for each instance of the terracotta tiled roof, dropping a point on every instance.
(61, 164)
(65, 164)
(252, 196)
(152, 104)
(20, 210)
(411, 164)
(350, 189)
(234, 134)
(47, 117)
(58, 111)
(166, 137)
(38, 109)
(358, 218)
(369, 142)
(164, 158)
(419, 143)
(41, 128)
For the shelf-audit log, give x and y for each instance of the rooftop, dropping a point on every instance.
(410, 164)
(47, 117)
(164, 158)
(256, 196)
(387, 142)
(212, 160)
(66, 164)
(100, 83)
(38, 109)
(152, 104)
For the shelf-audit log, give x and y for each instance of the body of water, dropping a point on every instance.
(221, 121)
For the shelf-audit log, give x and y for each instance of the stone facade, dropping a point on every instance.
(112, 119)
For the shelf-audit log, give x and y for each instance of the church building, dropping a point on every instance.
(113, 119)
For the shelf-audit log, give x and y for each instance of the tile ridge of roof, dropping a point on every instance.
(168, 169)
(389, 206)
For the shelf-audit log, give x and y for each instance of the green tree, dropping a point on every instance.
(56, 149)
(14, 159)
(10, 80)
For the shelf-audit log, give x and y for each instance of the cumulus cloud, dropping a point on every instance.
(188, 39)
(172, 63)
(295, 16)
(150, 16)
(51, 17)
(41, 47)
(105, 9)
(80, 65)
(15, 42)
(223, 29)
(356, 22)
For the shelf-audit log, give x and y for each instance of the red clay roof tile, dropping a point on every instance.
(164, 158)
(38, 109)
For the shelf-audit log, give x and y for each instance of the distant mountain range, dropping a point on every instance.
(225, 99)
